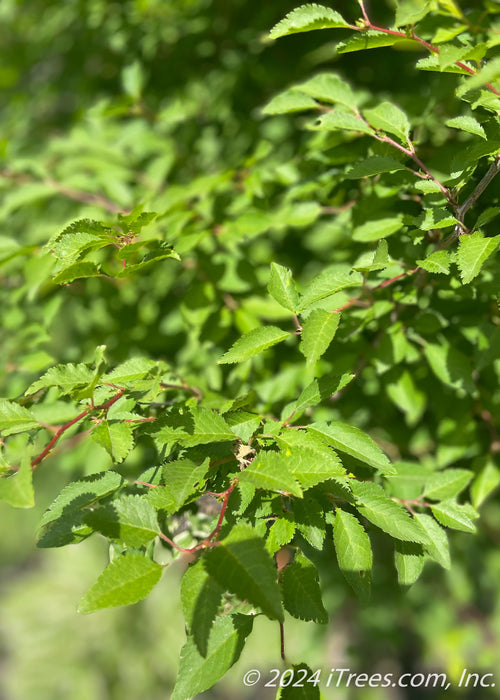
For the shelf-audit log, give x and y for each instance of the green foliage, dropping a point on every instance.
(264, 348)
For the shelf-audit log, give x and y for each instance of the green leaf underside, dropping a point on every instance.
(128, 579)
(352, 544)
(301, 591)
(199, 672)
(201, 597)
(473, 251)
(353, 441)
(282, 287)
(318, 332)
(253, 343)
(242, 565)
(409, 559)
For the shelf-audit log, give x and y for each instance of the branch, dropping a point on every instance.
(494, 169)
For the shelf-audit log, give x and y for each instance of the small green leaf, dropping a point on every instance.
(17, 490)
(389, 118)
(305, 19)
(15, 418)
(225, 644)
(282, 287)
(242, 565)
(116, 438)
(301, 591)
(437, 547)
(289, 101)
(75, 271)
(130, 371)
(66, 377)
(129, 519)
(437, 262)
(447, 484)
(183, 481)
(318, 331)
(339, 120)
(354, 442)
(201, 597)
(373, 165)
(253, 343)
(485, 483)
(269, 470)
(352, 544)
(452, 514)
(473, 251)
(328, 87)
(409, 559)
(408, 12)
(331, 280)
(376, 229)
(368, 40)
(128, 579)
(469, 124)
(279, 534)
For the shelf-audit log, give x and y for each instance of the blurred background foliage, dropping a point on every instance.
(109, 104)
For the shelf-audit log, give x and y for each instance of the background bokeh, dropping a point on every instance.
(145, 100)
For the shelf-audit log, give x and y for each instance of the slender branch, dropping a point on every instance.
(386, 283)
(36, 461)
(192, 389)
(493, 170)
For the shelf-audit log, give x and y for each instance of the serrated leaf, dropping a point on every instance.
(469, 124)
(242, 565)
(183, 480)
(338, 120)
(409, 12)
(370, 39)
(201, 597)
(485, 483)
(409, 559)
(437, 547)
(289, 101)
(253, 343)
(376, 229)
(130, 371)
(320, 389)
(437, 262)
(389, 118)
(354, 442)
(373, 165)
(17, 490)
(15, 418)
(79, 237)
(307, 18)
(447, 484)
(318, 331)
(473, 251)
(301, 591)
(328, 87)
(129, 519)
(66, 377)
(452, 514)
(75, 271)
(128, 579)
(306, 689)
(116, 437)
(282, 287)
(490, 71)
(269, 470)
(313, 464)
(431, 63)
(352, 544)
(391, 517)
(198, 673)
(328, 282)
(209, 427)
(279, 534)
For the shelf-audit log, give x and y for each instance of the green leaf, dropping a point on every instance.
(208, 427)
(318, 332)
(133, 80)
(314, 463)
(129, 519)
(75, 271)
(303, 687)
(405, 394)
(376, 229)
(66, 377)
(473, 251)
(183, 481)
(409, 12)
(279, 534)
(485, 483)
(450, 365)
(373, 165)
(389, 118)
(79, 237)
(469, 124)
(354, 442)
(253, 343)
(437, 262)
(339, 120)
(116, 438)
(301, 591)
(319, 390)
(198, 673)
(447, 484)
(328, 87)
(15, 418)
(17, 490)
(452, 514)
(130, 371)
(201, 597)
(352, 544)
(289, 101)
(409, 559)
(329, 281)
(242, 565)
(431, 63)
(269, 470)
(282, 287)
(305, 19)
(489, 72)
(128, 579)
(373, 503)
(437, 547)
(368, 40)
